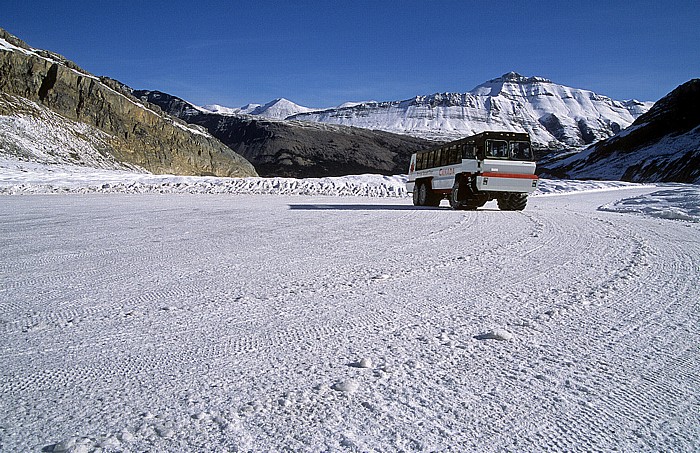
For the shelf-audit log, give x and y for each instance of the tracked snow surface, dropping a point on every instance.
(216, 320)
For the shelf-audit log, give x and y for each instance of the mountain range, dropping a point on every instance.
(296, 148)
(53, 111)
(557, 117)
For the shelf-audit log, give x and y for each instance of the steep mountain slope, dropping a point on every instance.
(556, 116)
(661, 145)
(298, 149)
(44, 93)
(32, 132)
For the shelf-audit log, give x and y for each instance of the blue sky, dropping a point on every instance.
(323, 53)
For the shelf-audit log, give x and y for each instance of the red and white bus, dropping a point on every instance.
(473, 170)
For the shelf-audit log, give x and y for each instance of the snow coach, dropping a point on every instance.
(473, 170)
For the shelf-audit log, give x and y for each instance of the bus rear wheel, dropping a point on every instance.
(423, 195)
(512, 202)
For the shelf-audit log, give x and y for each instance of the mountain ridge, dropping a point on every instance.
(297, 148)
(98, 112)
(556, 116)
(662, 145)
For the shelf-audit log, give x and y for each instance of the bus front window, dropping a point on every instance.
(520, 151)
(497, 149)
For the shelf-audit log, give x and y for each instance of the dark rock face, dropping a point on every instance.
(662, 145)
(299, 149)
(141, 134)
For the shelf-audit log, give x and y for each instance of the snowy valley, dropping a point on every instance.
(188, 320)
(179, 312)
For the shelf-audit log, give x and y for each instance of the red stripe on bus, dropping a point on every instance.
(507, 175)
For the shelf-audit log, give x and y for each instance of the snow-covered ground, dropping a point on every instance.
(232, 321)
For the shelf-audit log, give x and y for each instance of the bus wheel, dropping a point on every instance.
(455, 195)
(512, 202)
(416, 192)
(423, 194)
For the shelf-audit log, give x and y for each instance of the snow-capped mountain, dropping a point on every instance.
(662, 145)
(278, 109)
(296, 148)
(556, 116)
(220, 109)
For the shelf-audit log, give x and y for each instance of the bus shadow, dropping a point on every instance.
(362, 207)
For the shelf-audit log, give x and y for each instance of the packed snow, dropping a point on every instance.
(680, 202)
(296, 315)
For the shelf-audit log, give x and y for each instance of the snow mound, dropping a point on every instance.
(348, 386)
(679, 203)
(364, 362)
(496, 334)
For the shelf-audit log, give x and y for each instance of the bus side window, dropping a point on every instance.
(468, 152)
(430, 162)
(445, 156)
(438, 156)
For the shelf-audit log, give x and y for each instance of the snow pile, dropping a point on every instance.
(27, 177)
(496, 334)
(678, 203)
(19, 177)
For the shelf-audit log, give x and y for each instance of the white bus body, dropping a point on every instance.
(471, 171)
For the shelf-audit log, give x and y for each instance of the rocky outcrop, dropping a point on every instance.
(662, 145)
(296, 148)
(139, 134)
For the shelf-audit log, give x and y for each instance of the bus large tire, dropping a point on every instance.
(512, 201)
(423, 194)
(456, 194)
(416, 191)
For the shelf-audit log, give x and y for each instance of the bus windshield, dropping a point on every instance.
(520, 151)
(497, 149)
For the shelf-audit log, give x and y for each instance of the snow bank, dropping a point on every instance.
(29, 177)
(20, 177)
(679, 203)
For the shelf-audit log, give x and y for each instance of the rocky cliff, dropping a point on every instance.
(296, 148)
(136, 133)
(662, 145)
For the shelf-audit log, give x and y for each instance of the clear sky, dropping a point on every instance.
(323, 53)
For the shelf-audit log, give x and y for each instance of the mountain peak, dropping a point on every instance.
(515, 77)
(280, 108)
